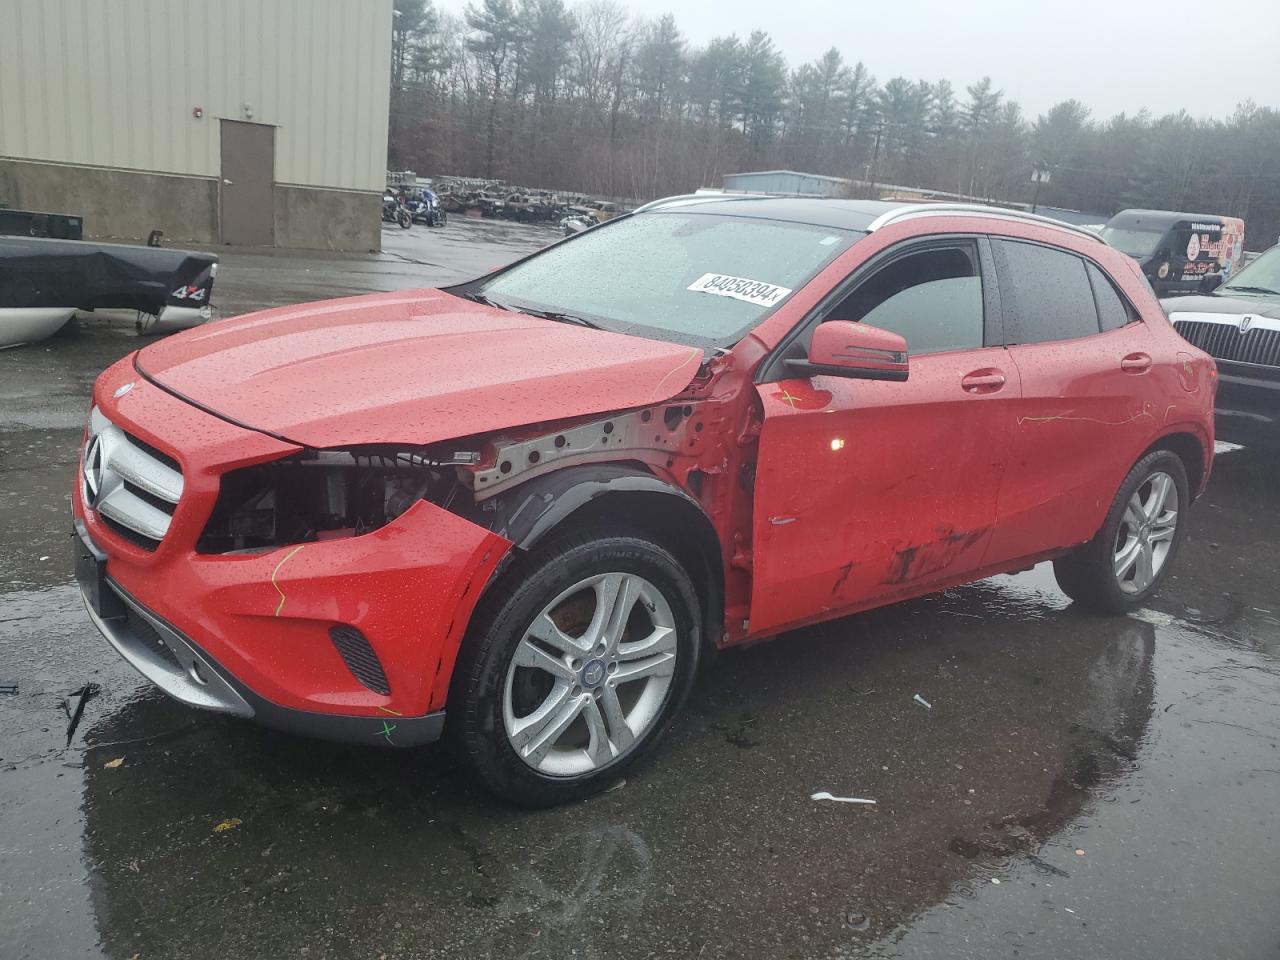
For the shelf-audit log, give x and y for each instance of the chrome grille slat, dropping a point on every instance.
(1259, 346)
(141, 468)
(130, 510)
(127, 482)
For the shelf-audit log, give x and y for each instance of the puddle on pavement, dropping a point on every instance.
(1042, 730)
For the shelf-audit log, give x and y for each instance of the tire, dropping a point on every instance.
(543, 721)
(1122, 567)
(404, 219)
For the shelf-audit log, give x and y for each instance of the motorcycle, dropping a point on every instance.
(428, 210)
(394, 210)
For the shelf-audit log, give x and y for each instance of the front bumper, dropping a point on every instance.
(252, 635)
(170, 660)
(1248, 399)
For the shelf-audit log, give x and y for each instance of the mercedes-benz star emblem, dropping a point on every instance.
(93, 470)
(593, 673)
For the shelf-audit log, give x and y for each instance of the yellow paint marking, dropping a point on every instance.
(280, 605)
(394, 713)
(1106, 423)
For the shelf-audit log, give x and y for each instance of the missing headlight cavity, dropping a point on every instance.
(323, 495)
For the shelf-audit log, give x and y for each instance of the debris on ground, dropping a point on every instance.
(923, 702)
(113, 764)
(1079, 852)
(10, 689)
(229, 824)
(82, 696)
(823, 795)
(855, 920)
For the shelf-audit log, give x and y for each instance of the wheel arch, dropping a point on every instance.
(1194, 453)
(626, 496)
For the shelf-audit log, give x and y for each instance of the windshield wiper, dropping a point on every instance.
(561, 317)
(1248, 289)
(477, 297)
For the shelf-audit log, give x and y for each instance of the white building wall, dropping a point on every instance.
(113, 83)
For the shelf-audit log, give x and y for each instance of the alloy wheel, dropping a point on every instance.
(589, 677)
(1146, 533)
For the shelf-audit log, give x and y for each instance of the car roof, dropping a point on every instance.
(815, 211)
(864, 216)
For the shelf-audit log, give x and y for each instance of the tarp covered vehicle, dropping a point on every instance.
(43, 282)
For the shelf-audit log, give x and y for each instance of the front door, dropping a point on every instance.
(248, 177)
(870, 490)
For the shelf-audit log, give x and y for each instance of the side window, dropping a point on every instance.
(1045, 293)
(932, 298)
(1113, 311)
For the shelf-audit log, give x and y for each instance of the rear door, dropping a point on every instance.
(1088, 400)
(869, 490)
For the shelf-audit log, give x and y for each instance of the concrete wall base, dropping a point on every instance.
(116, 204)
(129, 204)
(312, 218)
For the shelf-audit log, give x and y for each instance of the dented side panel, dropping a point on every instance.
(869, 489)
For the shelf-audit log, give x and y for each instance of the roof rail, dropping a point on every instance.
(914, 210)
(690, 198)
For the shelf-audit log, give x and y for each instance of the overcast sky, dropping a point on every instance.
(1113, 55)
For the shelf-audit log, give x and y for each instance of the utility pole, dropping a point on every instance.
(1039, 176)
(875, 156)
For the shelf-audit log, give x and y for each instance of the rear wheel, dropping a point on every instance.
(576, 669)
(1124, 565)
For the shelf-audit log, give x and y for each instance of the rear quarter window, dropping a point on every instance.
(1045, 293)
(1114, 311)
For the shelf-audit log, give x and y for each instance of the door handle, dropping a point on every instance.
(1136, 363)
(982, 381)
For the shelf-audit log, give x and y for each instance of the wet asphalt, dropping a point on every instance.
(1078, 786)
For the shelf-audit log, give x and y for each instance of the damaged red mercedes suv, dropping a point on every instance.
(520, 511)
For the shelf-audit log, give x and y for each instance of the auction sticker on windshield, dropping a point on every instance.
(740, 288)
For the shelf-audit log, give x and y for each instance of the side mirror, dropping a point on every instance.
(1211, 282)
(842, 348)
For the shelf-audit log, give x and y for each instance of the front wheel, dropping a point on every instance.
(404, 218)
(575, 669)
(1124, 565)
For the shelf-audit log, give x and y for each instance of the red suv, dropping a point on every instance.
(520, 511)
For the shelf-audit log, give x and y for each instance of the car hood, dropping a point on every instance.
(1225, 305)
(410, 367)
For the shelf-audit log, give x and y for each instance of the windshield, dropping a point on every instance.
(1135, 243)
(1261, 276)
(701, 279)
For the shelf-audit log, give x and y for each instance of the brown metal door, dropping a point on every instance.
(248, 171)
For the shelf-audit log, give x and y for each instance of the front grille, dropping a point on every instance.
(133, 487)
(360, 658)
(1225, 341)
